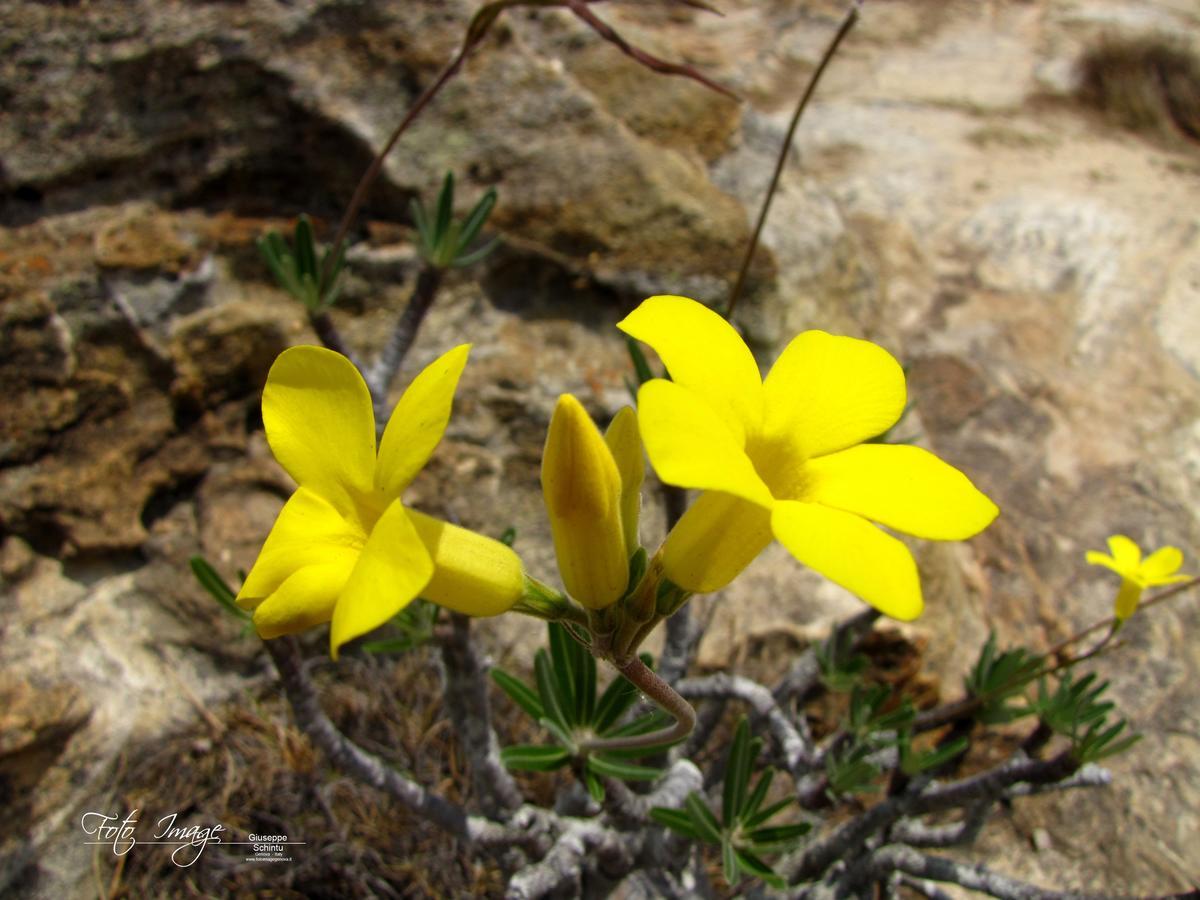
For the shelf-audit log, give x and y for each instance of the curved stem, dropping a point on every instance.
(665, 697)
(843, 30)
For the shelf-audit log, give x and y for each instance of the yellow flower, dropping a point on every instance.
(344, 548)
(785, 458)
(582, 487)
(1137, 574)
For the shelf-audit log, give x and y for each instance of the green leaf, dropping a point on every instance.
(779, 835)
(520, 693)
(475, 220)
(564, 671)
(729, 863)
(445, 211)
(595, 787)
(769, 813)
(533, 758)
(509, 536)
(212, 582)
(585, 684)
(677, 820)
(752, 865)
(469, 259)
(548, 690)
(616, 699)
(758, 795)
(703, 818)
(737, 772)
(641, 368)
(616, 768)
(421, 223)
(306, 258)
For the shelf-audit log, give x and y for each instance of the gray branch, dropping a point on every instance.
(582, 843)
(380, 376)
(797, 752)
(897, 858)
(529, 828)
(470, 712)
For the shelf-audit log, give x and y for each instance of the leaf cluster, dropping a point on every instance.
(442, 240)
(1000, 676)
(297, 269)
(742, 831)
(1075, 709)
(565, 701)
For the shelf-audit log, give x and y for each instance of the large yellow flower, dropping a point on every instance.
(344, 548)
(784, 457)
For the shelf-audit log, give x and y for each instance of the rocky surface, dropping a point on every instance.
(1037, 269)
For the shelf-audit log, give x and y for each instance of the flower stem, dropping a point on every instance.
(664, 696)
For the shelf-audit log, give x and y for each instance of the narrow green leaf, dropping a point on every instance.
(752, 865)
(616, 699)
(595, 786)
(445, 210)
(520, 693)
(729, 863)
(421, 223)
(533, 758)
(641, 368)
(560, 734)
(765, 815)
(616, 768)
(737, 772)
(469, 259)
(565, 670)
(758, 795)
(212, 582)
(475, 220)
(780, 834)
(509, 536)
(305, 249)
(585, 686)
(702, 816)
(548, 690)
(677, 820)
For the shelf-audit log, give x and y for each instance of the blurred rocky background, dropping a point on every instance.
(1005, 193)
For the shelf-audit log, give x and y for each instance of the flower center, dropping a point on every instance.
(780, 464)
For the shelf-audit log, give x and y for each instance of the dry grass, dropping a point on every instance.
(1145, 85)
(249, 769)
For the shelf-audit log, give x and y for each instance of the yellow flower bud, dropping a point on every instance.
(625, 443)
(582, 488)
(472, 573)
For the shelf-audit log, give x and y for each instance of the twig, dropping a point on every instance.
(529, 828)
(797, 753)
(897, 858)
(843, 30)
(380, 378)
(470, 712)
(582, 844)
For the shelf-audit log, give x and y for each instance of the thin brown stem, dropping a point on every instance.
(665, 697)
(843, 30)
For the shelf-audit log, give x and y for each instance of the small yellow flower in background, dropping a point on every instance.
(1137, 574)
(344, 549)
(582, 487)
(785, 458)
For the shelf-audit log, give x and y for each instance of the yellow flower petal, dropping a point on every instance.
(391, 571)
(472, 574)
(1125, 553)
(827, 392)
(902, 487)
(1127, 599)
(704, 354)
(850, 551)
(690, 445)
(582, 490)
(308, 531)
(1096, 558)
(713, 541)
(318, 419)
(418, 422)
(1161, 565)
(626, 445)
(304, 599)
